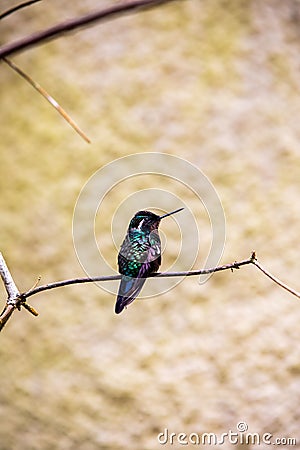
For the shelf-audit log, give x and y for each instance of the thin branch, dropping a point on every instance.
(48, 97)
(57, 284)
(190, 273)
(276, 280)
(16, 300)
(73, 24)
(16, 8)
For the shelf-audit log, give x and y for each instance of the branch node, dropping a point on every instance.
(22, 302)
(253, 256)
(235, 266)
(12, 302)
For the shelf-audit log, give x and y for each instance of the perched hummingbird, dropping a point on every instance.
(139, 256)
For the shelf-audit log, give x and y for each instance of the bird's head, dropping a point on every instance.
(147, 220)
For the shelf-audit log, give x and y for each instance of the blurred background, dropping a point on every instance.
(214, 82)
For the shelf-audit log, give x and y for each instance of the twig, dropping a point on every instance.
(16, 300)
(276, 280)
(48, 97)
(16, 8)
(73, 24)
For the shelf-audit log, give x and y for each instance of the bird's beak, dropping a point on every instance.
(169, 214)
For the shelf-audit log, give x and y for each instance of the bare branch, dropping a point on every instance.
(58, 284)
(231, 266)
(73, 24)
(276, 280)
(16, 8)
(48, 97)
(16, 300)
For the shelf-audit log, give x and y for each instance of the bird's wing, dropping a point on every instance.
(130, 287)
(149, 261)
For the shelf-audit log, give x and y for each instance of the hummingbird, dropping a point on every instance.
(139, 255)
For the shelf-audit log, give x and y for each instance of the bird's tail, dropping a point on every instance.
(128, 291)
